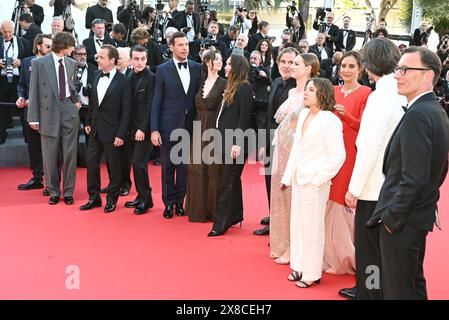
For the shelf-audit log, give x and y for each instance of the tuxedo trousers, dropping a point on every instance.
(33, 140)
(308, 210)
(402, 257)
(95, 151)
(140, 155)
(125, 163)
(367, 252)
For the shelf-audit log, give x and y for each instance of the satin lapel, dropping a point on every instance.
(192, 77)
(175, 75)
(94, 89)
(51, 72)
(275, 89)
(111, 87)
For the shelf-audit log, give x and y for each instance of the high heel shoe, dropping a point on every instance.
(303, 284)
(238, 221)
(294, 276)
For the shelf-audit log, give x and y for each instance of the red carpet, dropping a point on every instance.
(122, 256)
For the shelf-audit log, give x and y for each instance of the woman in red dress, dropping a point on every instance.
(339, 252)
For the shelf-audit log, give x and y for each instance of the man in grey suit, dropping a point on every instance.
(53, 110)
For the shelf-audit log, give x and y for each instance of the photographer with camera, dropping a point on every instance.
(443, 48)
(329, 29)
(264, 28)
(188, 21)
(63, 9)
(241, 21)
(210, 42)
(260, 80)
(129, 14)
(421, 34)
(31, 29)
(94, 43)
(12, 50)
(30, 7)
(99, 11)
(295, 22)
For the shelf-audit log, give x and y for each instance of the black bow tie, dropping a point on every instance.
(104, 75)
(283, 84)
(182, 64)
(405, 108)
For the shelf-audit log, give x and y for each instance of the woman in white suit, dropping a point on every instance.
(316, 156)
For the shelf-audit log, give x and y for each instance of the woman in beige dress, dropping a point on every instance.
(304, 67)
(317, 153)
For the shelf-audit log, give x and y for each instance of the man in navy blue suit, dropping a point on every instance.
(177, 83)
(41, 47)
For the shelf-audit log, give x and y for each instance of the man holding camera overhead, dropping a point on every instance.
(12, 50)
(241, 21)
(329, 29)
(188, 21)
(99, 11)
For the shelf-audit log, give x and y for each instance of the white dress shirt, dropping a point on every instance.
(382, 114)
(184, 74)
(191, 33)
(416, 98)
(324, 55)
(345, 37)
(56, 62)
(11, 50)
(98, 46)
(103, 85)
(83, 99)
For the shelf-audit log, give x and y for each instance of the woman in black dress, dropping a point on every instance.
(234, 114)
(202, 178)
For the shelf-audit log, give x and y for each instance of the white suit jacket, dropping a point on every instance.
(316, 157)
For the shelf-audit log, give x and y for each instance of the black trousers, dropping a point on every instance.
(402, 256)
(140, 153)
(367, 252)
(230, 200)
(125, 160)
(172, 191)
(8, 93)
(33, 139)
(95, 151)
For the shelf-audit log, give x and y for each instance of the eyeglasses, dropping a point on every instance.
(403, 70)
(80, 54)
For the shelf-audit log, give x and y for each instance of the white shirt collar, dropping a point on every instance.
(176, 61)
(57, 58)
(416, 98)
(111, 73)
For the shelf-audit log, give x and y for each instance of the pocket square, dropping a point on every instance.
(141, 90)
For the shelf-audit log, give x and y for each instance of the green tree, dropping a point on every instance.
(435, 11)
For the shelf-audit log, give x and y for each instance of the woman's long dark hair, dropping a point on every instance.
(208, 57)
(269, 53)
(237, 76)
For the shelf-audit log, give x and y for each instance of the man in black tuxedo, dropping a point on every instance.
(264, 27)
(142, 84)
(173, 107)
(99, 38)
(278, 94)
(188, 19)
(230, 38)
(35, 10)
(42, 47)
(319, 49)
(15, 48)
(329, 30)
(129, 16)
(99, 11)
(84, 79)
(107, 124)
(415, 165)
(32, 30)
(346, 37)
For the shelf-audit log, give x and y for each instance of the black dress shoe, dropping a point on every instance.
(90, 205)
(262, 232)
(348, 293)
(142, 208)
(265, 221)
(214, 233)
(53, 200)
(32, 184)
(68, 200)
(45, 193)
(105, 190)
(124, 192)
(132, 204)
(168, 212)
(180, 210)
(109, 207)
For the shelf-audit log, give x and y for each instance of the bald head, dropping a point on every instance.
(7, 29)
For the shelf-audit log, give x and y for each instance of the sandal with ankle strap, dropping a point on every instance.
(294, 276)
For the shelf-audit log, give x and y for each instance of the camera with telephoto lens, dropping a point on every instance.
(9, 69)
(255, 71)
(132, 6)
(208, 42)
(292, 8)
(320, 14)
(79, 83)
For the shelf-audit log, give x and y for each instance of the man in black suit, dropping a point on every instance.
(32, 30)
(264, 27)
(42, 47)
(107, 124)
(129, 16)
(36, 11)
(230, 38)
(415, 165)
(177, 82)
(346, 37)
(278, 94)
(84, 78)
(142, 38)
(329, 30)
(118, 34)
(14, 48)
(188, 21)
(142, 83)
(99, 11)
(319, 49)
(99, 38)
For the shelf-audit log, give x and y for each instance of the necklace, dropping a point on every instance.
(348, 92)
